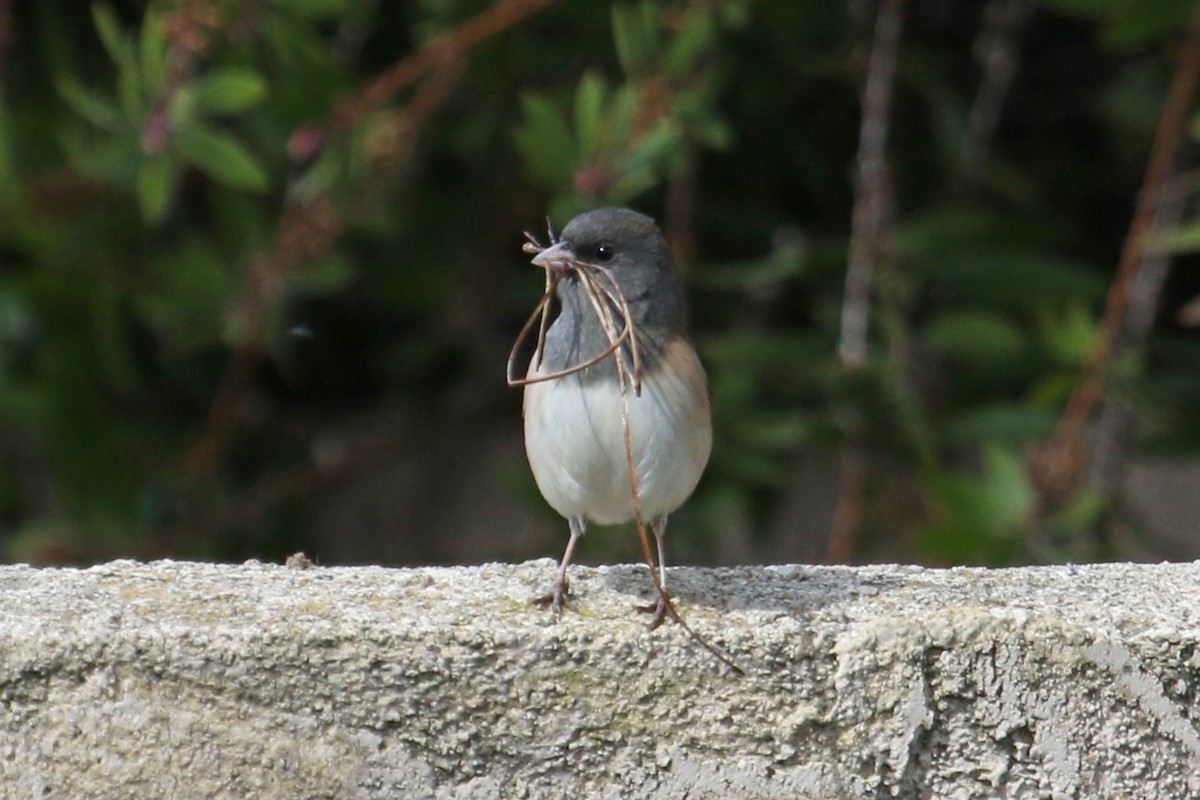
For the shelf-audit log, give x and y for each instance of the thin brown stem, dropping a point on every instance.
(204, 456)
(847, 512)
(870, 231)
(869, 220)
(544, 324)
(997, 51)
(668, 604)
(304, 232)
(6, 36)
(541, 309)
(445, 49)
(679, 211)
(1061, 461)
(1116, 425)
(617, 296)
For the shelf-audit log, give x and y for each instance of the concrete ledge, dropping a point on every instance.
(190, 680)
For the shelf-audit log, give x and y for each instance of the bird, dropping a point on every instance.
(574, 424)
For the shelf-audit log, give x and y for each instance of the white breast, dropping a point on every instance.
(575, 440)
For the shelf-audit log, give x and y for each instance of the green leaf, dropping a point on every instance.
(1010, 276)
(129, 92)
(186, 304)
(589, 114)
(1008, 490)
(1136, 23)
(782, 264)
(1083, 7)
(1071, 334)
(153, 52)
(760, 349)
(10, 187)
(111, 336)
(974, 334)
(130, 81)
(1054, 389)
(545, 142)
(625, 38)
(1083, 513)
(939, 232)
(324, 276)
(736, 13)
(630, 184)
(228, 91)
(623, 110)
(687, 46)
(321, 176)
(655, 150)
(95, 109)
(80, 433)
(155, 184)
(116, 43)
(750, 465)
(318, 9)
(1134, 98)
(635, 35)
(1185, 239)
(1011, 423)
(713, 132)
(778, 431)
(114, 159)
(221, 157)
(981, 515)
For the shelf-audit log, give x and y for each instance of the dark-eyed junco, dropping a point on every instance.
(574, 424)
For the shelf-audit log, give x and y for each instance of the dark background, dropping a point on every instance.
(260, 271)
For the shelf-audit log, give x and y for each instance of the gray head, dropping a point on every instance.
(632, 247)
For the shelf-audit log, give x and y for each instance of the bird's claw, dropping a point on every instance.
(557, 598)
(660, 608)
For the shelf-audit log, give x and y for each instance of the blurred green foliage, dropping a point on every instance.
(221, 252)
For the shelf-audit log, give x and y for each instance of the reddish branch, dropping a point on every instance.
(305, 232)
(442, 51)
(869, 239)
(311, 229)
(6, 36)
(870, 217)
(1060, 464)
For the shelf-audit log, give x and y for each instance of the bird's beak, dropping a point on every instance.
(559, 258)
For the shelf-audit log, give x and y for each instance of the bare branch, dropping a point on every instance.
(1061, 461)
(997, 51)
(869, 223)
(442, 51)
(869, 235)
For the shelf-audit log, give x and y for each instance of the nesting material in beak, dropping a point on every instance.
(557, 258)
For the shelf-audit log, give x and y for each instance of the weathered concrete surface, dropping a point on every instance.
(179, 680)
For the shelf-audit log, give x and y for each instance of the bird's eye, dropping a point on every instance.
(604, 253)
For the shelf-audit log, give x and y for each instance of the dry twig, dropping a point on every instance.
(1116, 422)
(6, 36)
(997, 50)
(444, 50)
(311, 228)
(870, 230)
(1060, 463)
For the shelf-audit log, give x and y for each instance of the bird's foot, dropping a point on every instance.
(661, 608)
(557, 598)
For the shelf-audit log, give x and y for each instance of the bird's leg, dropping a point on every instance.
(659, 526)
(660, 607)
(560, 593)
